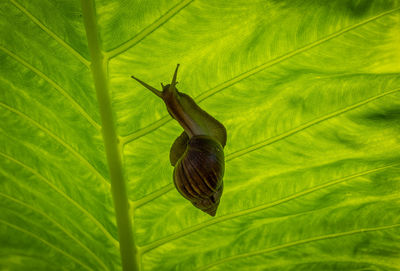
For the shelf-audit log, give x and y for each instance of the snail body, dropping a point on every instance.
(197, 154)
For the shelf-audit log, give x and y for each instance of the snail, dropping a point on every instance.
(197, 154)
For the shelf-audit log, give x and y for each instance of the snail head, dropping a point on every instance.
(167, 90)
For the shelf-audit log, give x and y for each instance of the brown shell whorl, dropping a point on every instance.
(198, 173)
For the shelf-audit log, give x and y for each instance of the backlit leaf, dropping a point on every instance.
(308, 91)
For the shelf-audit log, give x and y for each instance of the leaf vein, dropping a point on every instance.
(148, 30)
(44, 259)
(99, 68)
(45, 242)
(152, 196)
(62, 228)
(205, 95)
(73, 103)
(146, 130)
(282, 58)
(57, 139)
(220, 219)
(165, 189)
(51, 34)
(304, 126)
(56, 189)
(299, 242)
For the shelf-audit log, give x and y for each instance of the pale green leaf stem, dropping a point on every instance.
(111, 142)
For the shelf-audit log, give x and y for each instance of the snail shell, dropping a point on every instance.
(198, 173)
(197, 153)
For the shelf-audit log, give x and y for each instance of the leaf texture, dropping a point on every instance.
(309, 92)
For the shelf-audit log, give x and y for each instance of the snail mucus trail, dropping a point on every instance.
(197, 154)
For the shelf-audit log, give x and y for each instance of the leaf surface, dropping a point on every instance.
(308, 92)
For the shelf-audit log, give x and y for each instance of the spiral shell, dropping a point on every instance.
(198, 173)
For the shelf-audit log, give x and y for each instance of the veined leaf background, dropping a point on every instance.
(309, 94)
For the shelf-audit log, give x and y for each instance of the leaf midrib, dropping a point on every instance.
(99, 65)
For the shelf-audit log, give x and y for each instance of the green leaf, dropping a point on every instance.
(309, 94)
